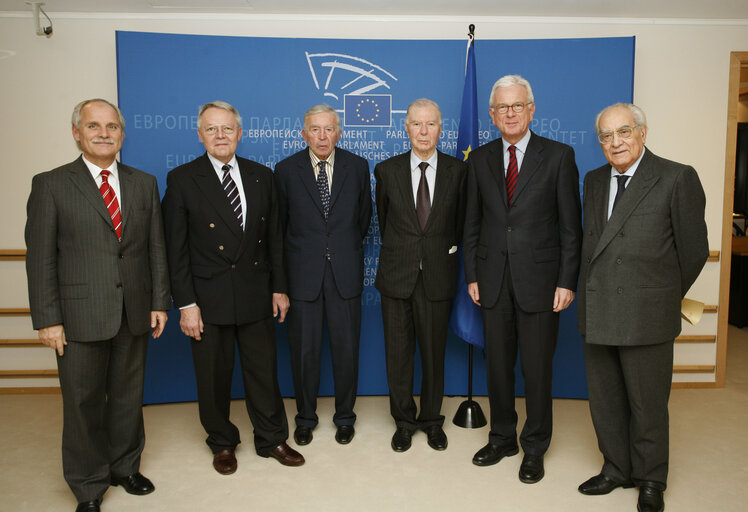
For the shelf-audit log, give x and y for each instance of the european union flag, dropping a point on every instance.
(466, 321)
(367, 109)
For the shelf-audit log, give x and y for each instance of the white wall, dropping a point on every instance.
(681, 82)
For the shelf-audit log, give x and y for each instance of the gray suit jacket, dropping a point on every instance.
(79, 275)
(639, 264)
(404, 245)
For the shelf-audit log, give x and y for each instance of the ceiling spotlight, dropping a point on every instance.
(36, 8)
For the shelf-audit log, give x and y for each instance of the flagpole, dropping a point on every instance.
(469, 414)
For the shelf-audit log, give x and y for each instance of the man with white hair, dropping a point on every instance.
(645, 243)
(521, 251)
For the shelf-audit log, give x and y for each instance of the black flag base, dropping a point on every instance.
(469, 415)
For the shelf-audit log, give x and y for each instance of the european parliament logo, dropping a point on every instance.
(367, 109)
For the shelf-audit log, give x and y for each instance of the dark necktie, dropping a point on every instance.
(423, 201)
(232, 192)
(324, 189)
(112, 205)
(512, 171)
(622, 178)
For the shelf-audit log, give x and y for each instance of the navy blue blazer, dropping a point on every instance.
(309, 238)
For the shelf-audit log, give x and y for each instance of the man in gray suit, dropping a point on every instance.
(97, 276)
(421, 209)
(645, 243)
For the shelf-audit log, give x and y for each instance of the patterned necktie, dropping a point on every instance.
(622, 178)
(112, 205)
(511, 173)
(232, 192)
(324, 189)
(423, 201)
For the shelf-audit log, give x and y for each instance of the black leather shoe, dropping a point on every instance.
(650, 500)
(401, 439)
(89, 506)
(437, 439)
(491, 454)
(601, 484)
(531, 471)
(134, 484)
(302, 435)
(345, 434)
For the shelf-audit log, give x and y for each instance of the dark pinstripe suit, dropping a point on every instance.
(102, 291)
(417, 278)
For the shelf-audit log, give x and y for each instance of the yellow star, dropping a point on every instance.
(466, 153)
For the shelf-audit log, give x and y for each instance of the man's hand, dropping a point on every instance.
(280, 306)
(562, 299)
(191, 322)
(474, 293)
(158, 322)
(53, 336)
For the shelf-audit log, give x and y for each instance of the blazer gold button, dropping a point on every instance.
(233, 266)
(220, 247)
(212, 225)
(262, 219)
(257, 263)
(259, 241)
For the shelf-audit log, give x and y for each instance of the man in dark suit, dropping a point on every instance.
(325, 208)
(421, 209)
(521, 250)
(645, 243)
(98, 282)
(225, 252)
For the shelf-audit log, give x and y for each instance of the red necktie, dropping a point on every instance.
(110, 200)
(511, 173)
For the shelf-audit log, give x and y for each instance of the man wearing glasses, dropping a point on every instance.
(225, 252)
(645, 244)
(521, 247)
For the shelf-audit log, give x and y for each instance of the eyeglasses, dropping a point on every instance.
(213, 129)
(624, 132)
(502, 108)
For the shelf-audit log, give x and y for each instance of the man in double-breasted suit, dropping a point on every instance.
(325, 208)
(521, 251)
(421, 208)
(225, 251)
(97, 277)
(645, 243)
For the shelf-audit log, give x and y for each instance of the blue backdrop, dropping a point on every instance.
(163, 78)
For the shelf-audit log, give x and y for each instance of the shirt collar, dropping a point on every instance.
(217, 164)
(95, 170)
(415, 160)
(521, 144)
(316, 160)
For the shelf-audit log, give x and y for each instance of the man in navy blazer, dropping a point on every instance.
(522, 244)
(225, 251)
(325, 209)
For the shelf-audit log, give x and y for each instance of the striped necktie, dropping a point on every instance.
(232, 192)
(112, 205)
(512, 172)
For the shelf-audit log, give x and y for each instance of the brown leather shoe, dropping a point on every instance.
(285, 455)
(224, 462)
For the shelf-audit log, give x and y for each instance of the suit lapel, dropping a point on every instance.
(530, 164)
(404, 184)
(339, 175)
(306, 175)
(441, 186)
(249, 182)
(495, 156)
(598, 192)
(642, 182)
(207, 182)
(127, 188)
(81, 178)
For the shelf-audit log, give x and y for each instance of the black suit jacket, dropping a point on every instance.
(231, 274)
(79, 275)
(641, 261)
(308, 238)
(539, 234)
(404, 246)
